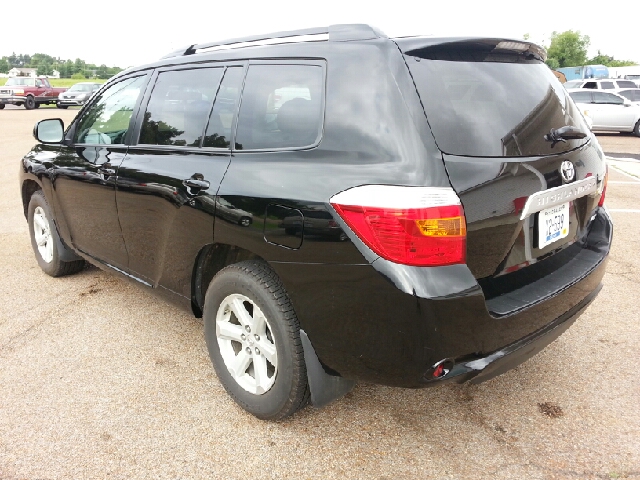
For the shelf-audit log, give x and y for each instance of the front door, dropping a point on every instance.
(85, 172)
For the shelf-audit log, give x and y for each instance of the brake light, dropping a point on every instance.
(420, 226)
(604, 187)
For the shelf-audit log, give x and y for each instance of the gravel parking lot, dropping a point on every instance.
(101, 380)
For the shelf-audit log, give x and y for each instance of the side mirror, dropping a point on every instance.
(627, 102)
(49, 131)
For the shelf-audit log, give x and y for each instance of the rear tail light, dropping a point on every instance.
(604, 187)
(421, 226)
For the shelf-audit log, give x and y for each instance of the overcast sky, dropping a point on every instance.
(128, 32)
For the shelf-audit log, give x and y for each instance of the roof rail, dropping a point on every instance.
(335, 33)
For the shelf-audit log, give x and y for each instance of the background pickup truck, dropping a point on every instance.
(28, 91)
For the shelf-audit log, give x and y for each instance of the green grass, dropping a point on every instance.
(63, 82)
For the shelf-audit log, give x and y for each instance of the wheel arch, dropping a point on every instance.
(29, 187)
(210, 260)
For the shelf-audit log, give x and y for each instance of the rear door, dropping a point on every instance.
(491, 106)
(167, 183)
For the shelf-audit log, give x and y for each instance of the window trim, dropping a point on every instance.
(135, 140)
(71, 131)
(309, 62)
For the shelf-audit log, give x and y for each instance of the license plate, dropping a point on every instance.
(553, 224)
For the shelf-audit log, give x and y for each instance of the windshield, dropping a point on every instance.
(82, 87)
(28, 82)
(492, 105)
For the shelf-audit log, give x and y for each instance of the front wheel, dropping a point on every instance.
(636, 129)
(45, 240)
(29, 103)
(253, 338)
(1, 106)
(62, 106)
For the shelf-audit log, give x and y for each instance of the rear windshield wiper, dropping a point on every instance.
(563, 134)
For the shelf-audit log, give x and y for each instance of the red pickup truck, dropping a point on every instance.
(28, 91)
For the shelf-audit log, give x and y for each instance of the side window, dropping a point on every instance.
(581, 97)
(281, 107)
(606, 85)
(593, 85)
(602, 97)
(179, 106)
(218, 133)
(107, 120)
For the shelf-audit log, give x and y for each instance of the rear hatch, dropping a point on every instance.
(492, 105)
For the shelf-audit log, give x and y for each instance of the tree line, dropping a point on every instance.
(46, 64)
(569, 49)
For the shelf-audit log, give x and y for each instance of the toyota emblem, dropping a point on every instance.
(567, 171)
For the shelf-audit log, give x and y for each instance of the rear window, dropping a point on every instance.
(626, 84)
(490, 104)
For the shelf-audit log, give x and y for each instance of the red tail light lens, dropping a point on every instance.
(604, 187)
(418, 226)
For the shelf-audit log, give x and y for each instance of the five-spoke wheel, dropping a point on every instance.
(253, 339)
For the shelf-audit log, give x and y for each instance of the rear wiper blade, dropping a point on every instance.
(563, 134)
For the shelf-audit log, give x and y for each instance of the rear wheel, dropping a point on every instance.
(1, 106)
(636, 129)
(29, 103)
(253, 338)
(37, 105)
(45, 240)
(62, 106)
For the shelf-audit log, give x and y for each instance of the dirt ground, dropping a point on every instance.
(100, 380)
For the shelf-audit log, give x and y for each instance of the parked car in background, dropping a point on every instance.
(77, 94)
(612, 84)
(28, 91)
(337, 206)
(632, 94)
(609, 111)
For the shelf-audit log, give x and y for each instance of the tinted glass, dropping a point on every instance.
(592, 85)
(573, 84)
(179, 106)
(626, 84)
(581, 97)
(281, 107)
(224, 108)
(480, 105)
(603, 97)
(606, 85)
(107, 120)
(633, 95)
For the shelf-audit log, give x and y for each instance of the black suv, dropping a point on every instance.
(337, 205)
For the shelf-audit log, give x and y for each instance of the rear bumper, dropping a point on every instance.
(485, 368)
(391, 324)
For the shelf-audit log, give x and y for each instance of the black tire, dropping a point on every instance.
(52, 266)
(37, 105)
(257, 282)
(29, 103)
(1, 106)
(64, 107)
(245, 221)
(636, 129)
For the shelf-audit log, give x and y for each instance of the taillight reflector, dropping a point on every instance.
(604, 187)
(419, 226)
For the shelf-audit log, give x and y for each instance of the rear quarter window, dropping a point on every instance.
(281, 107)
